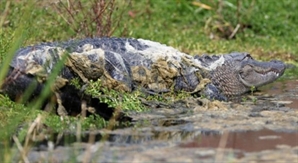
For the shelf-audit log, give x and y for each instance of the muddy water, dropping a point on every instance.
(249, 141)
(193, 130)
(286, 90)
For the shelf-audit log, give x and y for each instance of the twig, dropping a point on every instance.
(222, 144)
(220, 7)
(93, 19)
(31, 129)
(91, 141)
(4, 14)
(21, 149)
(234, 31)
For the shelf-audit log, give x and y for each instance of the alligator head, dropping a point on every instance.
(237, 73)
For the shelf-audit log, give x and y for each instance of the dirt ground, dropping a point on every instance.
(264, 130)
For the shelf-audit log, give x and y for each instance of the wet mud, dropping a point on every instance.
(261, 128)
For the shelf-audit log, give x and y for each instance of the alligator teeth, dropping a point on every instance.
(276, 73)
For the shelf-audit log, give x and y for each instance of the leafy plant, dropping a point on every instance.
(122, 100)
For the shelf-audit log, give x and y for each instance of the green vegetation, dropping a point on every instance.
(266, 30)
(123, 100)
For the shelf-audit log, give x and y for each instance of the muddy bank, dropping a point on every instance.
(263, 128)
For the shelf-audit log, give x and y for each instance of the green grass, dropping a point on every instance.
(267, 31)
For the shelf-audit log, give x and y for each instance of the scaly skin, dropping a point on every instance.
(127, 64)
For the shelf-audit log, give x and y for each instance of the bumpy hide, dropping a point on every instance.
(127, 64)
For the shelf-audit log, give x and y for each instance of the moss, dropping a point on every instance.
(127, 101)
(76, 82)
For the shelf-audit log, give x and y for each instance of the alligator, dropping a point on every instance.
(128, 64)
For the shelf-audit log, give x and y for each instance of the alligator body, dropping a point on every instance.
(128, 64)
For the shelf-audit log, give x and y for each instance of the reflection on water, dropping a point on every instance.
(249, 141)
(284, 90)
(134, 138)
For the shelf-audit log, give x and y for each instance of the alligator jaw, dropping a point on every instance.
(256, 74)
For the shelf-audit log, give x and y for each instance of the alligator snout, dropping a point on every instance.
(279, 66)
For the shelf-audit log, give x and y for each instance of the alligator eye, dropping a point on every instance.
(248, 56)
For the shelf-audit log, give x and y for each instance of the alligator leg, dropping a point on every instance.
(212, 92)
